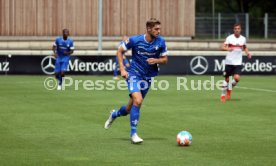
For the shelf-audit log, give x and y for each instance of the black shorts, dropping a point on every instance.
(232, 70)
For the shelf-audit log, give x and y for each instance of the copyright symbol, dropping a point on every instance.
(50, 83)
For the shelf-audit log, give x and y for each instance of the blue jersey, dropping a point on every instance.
(63, 46)
(141, 51)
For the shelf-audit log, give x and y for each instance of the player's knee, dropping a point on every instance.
(138, 101)
(237, 78)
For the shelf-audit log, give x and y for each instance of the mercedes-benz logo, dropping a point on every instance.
(48, 65)
(199, 65)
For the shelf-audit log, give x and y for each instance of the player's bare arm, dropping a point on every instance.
(120, 53)
(246, 50)
(161, 60)
(54, 50)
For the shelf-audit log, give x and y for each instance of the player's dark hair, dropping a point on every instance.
(237, 24)
(152, 22)
(65, 29)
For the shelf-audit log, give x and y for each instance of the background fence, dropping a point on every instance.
(124, 17)
(221, 25)
(81, 17)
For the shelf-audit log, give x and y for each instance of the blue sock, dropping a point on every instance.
(134, 119)
(121, 112)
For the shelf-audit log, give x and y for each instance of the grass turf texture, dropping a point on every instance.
(41, 127)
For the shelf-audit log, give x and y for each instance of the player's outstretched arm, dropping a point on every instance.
(120, 53)
(161, 60)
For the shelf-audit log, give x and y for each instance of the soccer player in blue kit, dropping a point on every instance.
(148, 50)
(62, 48)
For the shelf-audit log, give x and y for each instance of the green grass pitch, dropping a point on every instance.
(42, 127)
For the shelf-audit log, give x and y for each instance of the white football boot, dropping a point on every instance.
(116, 78)
(59, 87)
(135, 139)
(109, 121)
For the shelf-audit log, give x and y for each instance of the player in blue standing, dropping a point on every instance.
(125, 61)
(62, 48)
(148, 50)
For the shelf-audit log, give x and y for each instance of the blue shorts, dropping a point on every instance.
(62, 64)
(138, 84)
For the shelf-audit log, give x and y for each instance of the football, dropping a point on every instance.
(184, 138)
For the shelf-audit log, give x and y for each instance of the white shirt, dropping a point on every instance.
(234, 57)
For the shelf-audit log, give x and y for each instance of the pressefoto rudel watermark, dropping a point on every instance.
(182, 84)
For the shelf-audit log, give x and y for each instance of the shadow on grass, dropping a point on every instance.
(145, 138)
(231, 100)
(235, 99)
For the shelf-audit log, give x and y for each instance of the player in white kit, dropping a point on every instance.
(235, 44)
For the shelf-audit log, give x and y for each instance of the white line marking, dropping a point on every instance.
(256, 89)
